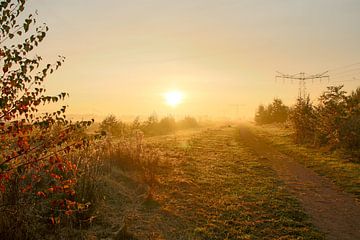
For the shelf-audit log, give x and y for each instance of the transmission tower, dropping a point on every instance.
(302, 78)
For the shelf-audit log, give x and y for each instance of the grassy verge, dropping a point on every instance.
(333, 165)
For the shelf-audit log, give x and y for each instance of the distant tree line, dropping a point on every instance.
(333, 122)
(151, 127)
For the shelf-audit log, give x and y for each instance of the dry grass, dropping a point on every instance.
(97, 164)
(201, 184)
(333, 165)
(210, 187)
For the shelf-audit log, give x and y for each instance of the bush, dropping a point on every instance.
(110, 125)
(188, 122)
(334, 122)
(303, 119)
(350, 129)
(330, 113)
(166, 125)
(276, 112)
(37, 177)
(150, 126)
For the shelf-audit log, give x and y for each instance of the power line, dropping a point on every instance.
(348, 71)
(344, 67)
(347, 80)
(346, 76)
(302, 78)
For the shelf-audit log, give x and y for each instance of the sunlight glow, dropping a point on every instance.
(173, 98)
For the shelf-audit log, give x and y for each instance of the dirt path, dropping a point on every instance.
(334, 212)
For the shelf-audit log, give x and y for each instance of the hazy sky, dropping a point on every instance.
(122, 55)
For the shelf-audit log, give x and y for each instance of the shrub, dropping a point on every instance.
(350, 128)
(166, 125)
(112, 126)
(334, 122)
(303, 119)
(276, 112)
(37, 177)
(331, 113)
(150, 126)
(188, 122)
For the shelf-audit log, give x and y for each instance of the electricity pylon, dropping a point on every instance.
(302, 78)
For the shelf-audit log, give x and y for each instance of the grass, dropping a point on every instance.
(212, 187)
(111, 174)
(198, 184)
(333, 165)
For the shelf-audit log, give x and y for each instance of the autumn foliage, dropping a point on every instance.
(36, 176)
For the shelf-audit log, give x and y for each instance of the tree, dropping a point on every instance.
(166, 125)
(334, 122)
(150, 126)
(279, 112)
(331, 113)
(276, 112)
(350, 128)
(34, 146)
(112, 126)
(188, 122)
(303, 120)
(261, 115)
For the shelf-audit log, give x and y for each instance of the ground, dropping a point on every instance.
(225, 183)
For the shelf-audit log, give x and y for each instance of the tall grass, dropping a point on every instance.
(25, 215)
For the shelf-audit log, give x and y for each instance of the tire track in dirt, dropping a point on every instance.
(333, 211)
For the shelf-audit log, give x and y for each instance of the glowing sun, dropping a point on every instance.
(173, 98)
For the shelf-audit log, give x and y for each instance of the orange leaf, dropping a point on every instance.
(41, 194)
(68, 212)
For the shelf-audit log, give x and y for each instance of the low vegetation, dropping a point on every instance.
(212, 186)
(58, 181)
(151, 127)
(332, 164)
(37, 175)
(50, 168)
(333, 123)
(276, 112)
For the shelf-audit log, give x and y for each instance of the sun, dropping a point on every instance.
(173, 98)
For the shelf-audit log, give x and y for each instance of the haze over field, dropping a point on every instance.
(124, 56)
(153, 142)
